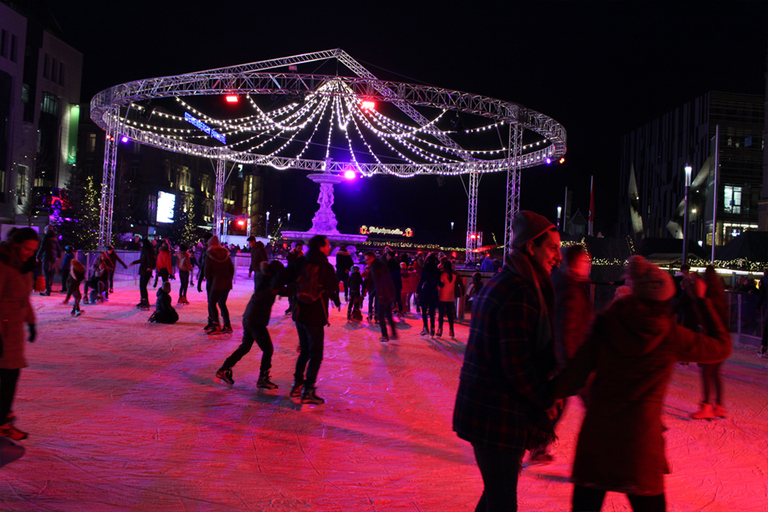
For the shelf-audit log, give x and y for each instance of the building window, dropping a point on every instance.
(46, 66)
(24, 93)
(13, 48)
(61, 73)
(50, 104)
(54, 70)
(91, 143)
(4, 43)
(732, 199)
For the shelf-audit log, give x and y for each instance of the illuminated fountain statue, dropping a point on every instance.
(324, 222)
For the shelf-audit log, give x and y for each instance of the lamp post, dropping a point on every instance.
(266, 229)
(688, 170)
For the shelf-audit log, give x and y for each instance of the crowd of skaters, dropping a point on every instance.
(531, 322)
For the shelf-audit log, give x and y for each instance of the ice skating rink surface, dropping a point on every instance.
(124, 415)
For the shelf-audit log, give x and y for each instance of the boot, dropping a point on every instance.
(704, 413)
(719, 411)
(224, 376)
(264, 381)
(310, 396)
(450, 333)
(296, 388)
(11, 432)
(439, 332)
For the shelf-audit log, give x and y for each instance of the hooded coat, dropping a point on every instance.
(15, 309)
(219, 269)
(632, 348)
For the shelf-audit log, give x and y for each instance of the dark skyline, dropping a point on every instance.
(601, 69)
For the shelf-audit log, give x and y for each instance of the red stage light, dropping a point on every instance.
(562, 160)
(368, 105)
(232, 98)
(241, 223)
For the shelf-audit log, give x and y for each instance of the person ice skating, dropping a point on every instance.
(632, 349)
(573, 318)
(343, 265)
(184, 264)
(219, 272)
(16, 262)
(164, 311)
(427, 292)
(258, 255)
(66, 262)
(164, 265)
(47, 254)
(355, 298)
(255, 321)
(76, 276)
(114, 258)
(385, 294)
(710, 373)
(314, 285)
(446, 294)
(505, 394)
(146, 264)
(99, 281)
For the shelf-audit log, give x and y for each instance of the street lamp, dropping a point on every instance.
(267, 225)
(688, 170)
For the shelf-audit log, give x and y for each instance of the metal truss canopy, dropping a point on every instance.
(110, 110)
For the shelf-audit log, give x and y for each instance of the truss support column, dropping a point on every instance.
(513, 181)
(472, 240)
(218, 206)
(108, 180)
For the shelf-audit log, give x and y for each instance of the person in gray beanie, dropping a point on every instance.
(504, 405)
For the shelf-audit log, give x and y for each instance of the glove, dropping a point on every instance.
(32, 333)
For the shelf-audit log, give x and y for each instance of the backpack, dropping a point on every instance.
(308, 288)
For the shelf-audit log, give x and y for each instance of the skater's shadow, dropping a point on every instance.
(353, 326)
(449, 345)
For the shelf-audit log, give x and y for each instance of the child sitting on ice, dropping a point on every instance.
(164, 312)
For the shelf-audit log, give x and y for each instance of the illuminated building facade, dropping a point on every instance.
(654, 156)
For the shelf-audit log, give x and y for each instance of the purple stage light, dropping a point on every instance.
(124, 139)
(548, 160)
(350, 174)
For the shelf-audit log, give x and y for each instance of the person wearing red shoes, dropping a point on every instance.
(16, 262)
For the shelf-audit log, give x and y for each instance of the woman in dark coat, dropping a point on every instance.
(15, 311)
(428, 294)
(632, 349)
(146, 264)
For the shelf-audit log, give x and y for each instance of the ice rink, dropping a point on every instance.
(124, 415)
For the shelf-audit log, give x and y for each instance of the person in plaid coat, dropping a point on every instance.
(504, 393)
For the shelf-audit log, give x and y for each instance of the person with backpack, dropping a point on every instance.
(315, 285)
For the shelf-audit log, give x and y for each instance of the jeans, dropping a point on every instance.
(218, 298)
(143, 282)
(311, 341)
(183, 282)
(446, 309)
(500, 467)
(428, 311)
(384, 312)
(251, 333)
(8, 380)
(49, 270)
(586, 499)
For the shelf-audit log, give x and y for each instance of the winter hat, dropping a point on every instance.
(527, 225)
(648, 281)
(213, 241)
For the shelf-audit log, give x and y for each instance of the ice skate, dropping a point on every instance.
(296, 388)
(79, 312)
(211, 327)
(706, 412)
(309, 396)
(216, 329)
(424, 332)
(12, 432)
(763, 352)
(541, 456)
(227, 329)
(384, 339)
(265, 382)
(224, 377)
(719, 411)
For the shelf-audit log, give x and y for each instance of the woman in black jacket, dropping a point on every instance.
(427, 292)
(255, 320)
(146, 264)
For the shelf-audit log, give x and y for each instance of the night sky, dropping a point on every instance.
(601, 69)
